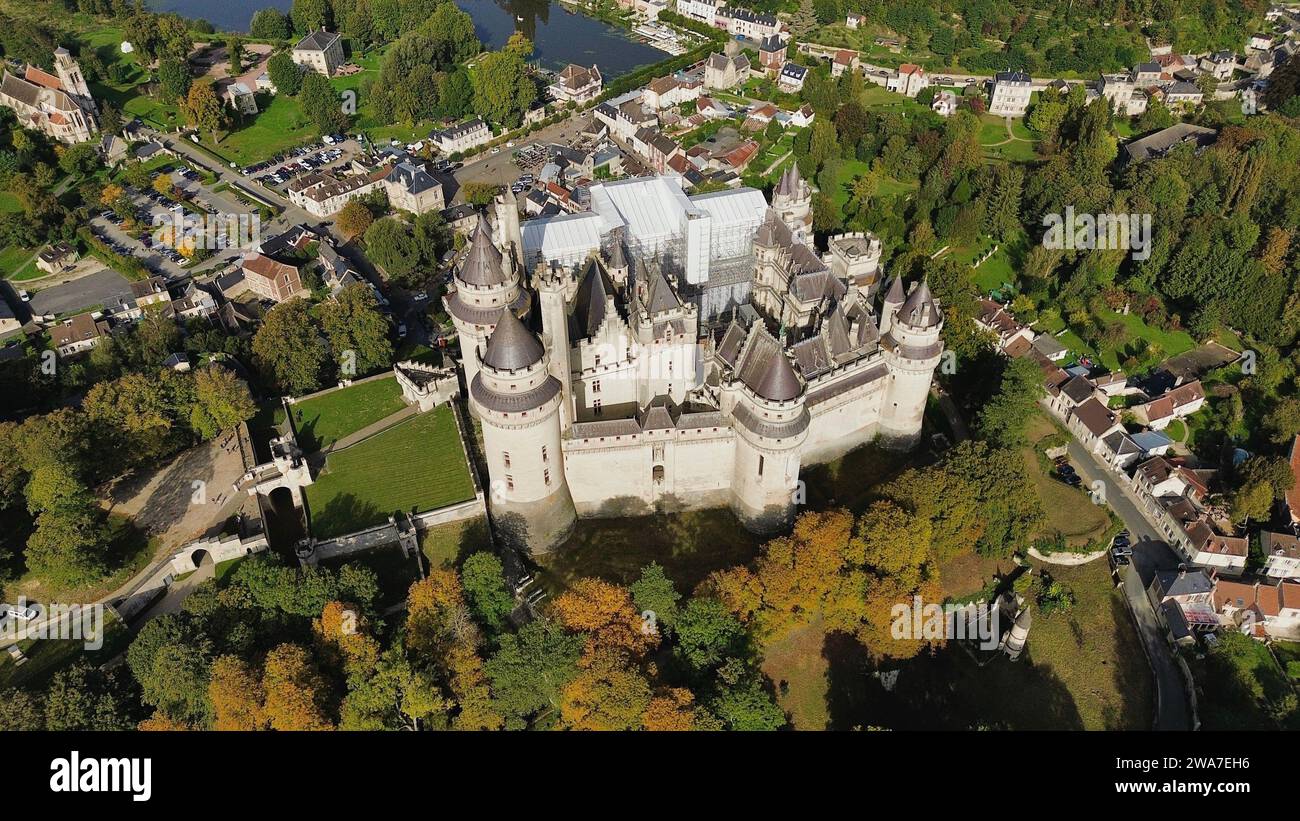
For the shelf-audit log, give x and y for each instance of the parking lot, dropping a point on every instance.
(282, 169)
(104, 287)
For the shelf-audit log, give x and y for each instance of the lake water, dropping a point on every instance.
(560, 36)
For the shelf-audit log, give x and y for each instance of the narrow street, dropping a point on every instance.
(1150, 553)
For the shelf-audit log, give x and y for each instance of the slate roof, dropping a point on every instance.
(482, 265)
(511, 346)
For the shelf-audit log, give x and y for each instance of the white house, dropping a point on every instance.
(463, 137)
(1010, 94)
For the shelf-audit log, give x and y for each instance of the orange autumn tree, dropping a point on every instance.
(343, 639)
(162, 723)
(441, 633)
(296, 693)
(235, 690)
(847, 573)
(673, 711)
(606, 614)
(608, 694)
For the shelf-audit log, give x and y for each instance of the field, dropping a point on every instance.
(322, 421)
(416, 465)
(1241, 686)
(448, 544)
(1070, 511)
(1082, 669)
(278, 127)
(19, 264)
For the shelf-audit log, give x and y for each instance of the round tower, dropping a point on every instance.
(912, 349)
(485, 282)
(518, 403)
(771, 424)
(792, 200)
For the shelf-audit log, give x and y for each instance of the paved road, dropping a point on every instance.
(1150, 554)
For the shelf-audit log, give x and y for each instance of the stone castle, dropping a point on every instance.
(664, 352)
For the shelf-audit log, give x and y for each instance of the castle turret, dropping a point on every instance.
(792, 200)
(771, 423)
(552, 289)
(912, 349)
(1018, 635)
(510, 238)
(485, 282)
(619, 268)
(894, 299)
(518, 403)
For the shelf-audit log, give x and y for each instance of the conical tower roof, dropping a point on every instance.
(482, 265)
(895, 294)
(788, 186)
(919, 310)
(512, 346)
(778, 383)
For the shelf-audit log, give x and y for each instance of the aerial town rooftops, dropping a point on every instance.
(318, 40)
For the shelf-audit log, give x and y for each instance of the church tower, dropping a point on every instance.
(485, 282)
(74, 84)
(912, 350)
(518, 402)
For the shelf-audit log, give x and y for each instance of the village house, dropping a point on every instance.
(1009, 96)
(410, 187)
(1167, 139)
(1145, 74)
(909, 80)
(702, 11)
(321, 52)
(461, 138)
(743, 22)
(791, 77)
(1219, 65)
(1183, 95)
(271, 279)
(1262, 610)
(844, 60)
(321, 194)
(1281, 554)
(1178, 403)
(771, 54)
(726, 70)
(667, 92)
(853, 20)
(576, 84)
(57, 257)
(1183, 601)
(77, 334)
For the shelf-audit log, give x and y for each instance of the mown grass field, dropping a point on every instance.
(322, 421)
(416, 465)
(1069, 511)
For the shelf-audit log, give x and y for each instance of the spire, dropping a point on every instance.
(920, 310)
(511, 346)
(778, 383)
(617, 257)
(895, 294)
(790, 182)
(482, 265)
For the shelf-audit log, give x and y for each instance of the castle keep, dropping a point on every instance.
(667, 352)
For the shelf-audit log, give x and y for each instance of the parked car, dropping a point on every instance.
(23, 612)
(1121, 559)
(24, 296)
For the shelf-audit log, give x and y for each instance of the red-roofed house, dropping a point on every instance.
(271, 279)
(845, 60)
(1293, 495)
(1178, 403)
(909, 80)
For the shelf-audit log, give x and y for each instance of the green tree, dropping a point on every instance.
(503, 91)
(202, 108)
(285, 74)
(310, 15)
(222, 401)
(654, 592)
(321, 104)
(485, 588)
(287, 348)
(269, 24)
(174, 79)
(390, 244)
(356, 330)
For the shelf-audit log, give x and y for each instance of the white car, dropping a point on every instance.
(510, 145)
(22, 612)
(496, 151)
(24, 296)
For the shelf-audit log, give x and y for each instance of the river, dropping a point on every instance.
(560, 36)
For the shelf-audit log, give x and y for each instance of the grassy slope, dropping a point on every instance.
(323, 421)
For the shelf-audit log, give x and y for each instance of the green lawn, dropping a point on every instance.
(322, 421)
(447, 545)
(1241, 686)
(45, 657)
(1171, 343)
(416, 465)
(19, 264)
(9, 203)
(280, 126)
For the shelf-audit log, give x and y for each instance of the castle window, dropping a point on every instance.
(546, 476)
(595, 386)
(595, 406)
(505, 457)
(510, 482)
(657, 474)
(598, 361)
(760, 467)
(544, 453)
